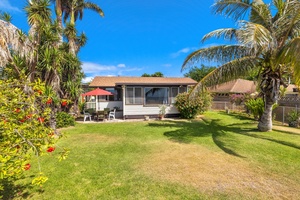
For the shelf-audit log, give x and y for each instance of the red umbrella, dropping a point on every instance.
(97, 92)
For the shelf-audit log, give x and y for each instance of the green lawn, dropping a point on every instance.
(220, 157)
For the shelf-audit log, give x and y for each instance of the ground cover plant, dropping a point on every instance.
(220, 156)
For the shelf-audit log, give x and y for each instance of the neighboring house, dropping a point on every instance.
(221, 93)
(292, 90)
(239, 86)
(136, 97)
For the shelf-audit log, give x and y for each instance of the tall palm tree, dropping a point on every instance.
(73, 10)
(268, 41)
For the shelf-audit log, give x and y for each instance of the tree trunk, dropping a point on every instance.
(270, 88)
(265, 121)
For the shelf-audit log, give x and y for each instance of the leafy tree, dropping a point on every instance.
(24, 128)
(268, 41)
(198, 73)
(156, 74)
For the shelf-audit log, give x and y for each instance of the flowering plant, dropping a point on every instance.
(237, 98)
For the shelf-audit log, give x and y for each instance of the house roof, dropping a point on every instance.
(236, 86)
(292, 89)
(105, 81)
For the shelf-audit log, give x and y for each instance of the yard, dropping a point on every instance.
(220, 156)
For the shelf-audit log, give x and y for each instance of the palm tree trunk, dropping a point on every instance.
(265, 121)
(72, 45)
(270, 87)
(59, 18)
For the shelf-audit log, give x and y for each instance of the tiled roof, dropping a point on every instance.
(236, 86)
(105, 81)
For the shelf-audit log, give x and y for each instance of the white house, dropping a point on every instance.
(135, 97)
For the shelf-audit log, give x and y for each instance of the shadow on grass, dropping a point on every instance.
(187, 130)
(11, 190)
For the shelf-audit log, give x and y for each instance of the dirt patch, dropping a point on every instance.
(211, 172)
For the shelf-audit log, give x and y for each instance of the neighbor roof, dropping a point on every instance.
(236, 86)
(104, 81)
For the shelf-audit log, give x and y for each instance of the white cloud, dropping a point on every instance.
(182, 51)
(87, 79)
(94, 68)
(121, 65)
(6, 6)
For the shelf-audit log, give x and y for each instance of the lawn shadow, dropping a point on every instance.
(187, 131)
(13, 191)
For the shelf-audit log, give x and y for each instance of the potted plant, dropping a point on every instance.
(162, 111)
(293, 118)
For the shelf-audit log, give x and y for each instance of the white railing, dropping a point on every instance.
(105, 104)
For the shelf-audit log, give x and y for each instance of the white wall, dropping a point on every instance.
(147, 110)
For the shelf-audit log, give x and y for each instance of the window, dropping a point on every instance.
(175, 91)
(134, 95)
(156, 95)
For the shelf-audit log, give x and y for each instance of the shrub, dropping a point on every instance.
(237, 98)
(64, 119)
(190, 107)
(293, 118)
(256, 107)
(24, 129)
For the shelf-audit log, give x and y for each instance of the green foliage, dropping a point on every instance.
(64, 119)
(293, 118)
(6, 17)
(156, 74)
(24, 127)
(197, 74)
(256, 107)
(190, 107)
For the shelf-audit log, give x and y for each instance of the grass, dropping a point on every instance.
(222, 156)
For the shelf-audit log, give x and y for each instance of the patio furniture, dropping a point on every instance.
(112, 114)
(101, 115)
(87, 115)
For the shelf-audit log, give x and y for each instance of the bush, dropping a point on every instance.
(293, 118)
(237, 98)
(190, 107)
(64, 119)
(256, 107)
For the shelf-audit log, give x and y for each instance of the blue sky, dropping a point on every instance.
(138, 36)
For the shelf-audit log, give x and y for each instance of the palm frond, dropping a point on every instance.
(227, 72)
(289, 22)
(260, 14)
(226, 33)
(256, 37)
(237, 9)
(221, 54)
(289, 55)
(94, 7)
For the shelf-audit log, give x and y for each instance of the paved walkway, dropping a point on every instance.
(287, 129)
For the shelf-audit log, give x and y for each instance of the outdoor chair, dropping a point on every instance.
(87, 115)
(112, 114)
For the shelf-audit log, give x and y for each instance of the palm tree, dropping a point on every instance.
(268, 41)
(73, 9)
